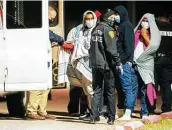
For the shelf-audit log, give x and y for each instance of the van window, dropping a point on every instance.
(23, 14)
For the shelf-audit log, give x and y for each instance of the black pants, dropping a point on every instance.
(77, 98)
(163, 68)
(101, 77)
(103, 102)
(15, 104)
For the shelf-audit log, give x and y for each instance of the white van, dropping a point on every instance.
(25, 57)
(25, 49)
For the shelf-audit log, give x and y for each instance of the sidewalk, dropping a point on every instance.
(58, 107)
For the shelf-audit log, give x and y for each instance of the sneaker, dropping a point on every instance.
(50, 117)
(144, 118)
(74, 114)
(124, 118)
(35, 117)
(94, 120)
(85, 117)
(110, 121)
(120, 113)
(116, 116)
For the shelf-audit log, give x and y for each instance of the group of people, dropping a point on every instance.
(105, 53)
(108, 54)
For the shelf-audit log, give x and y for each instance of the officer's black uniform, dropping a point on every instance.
(163, 65)
(103, 56)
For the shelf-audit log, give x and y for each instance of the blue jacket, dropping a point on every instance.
(55, 38)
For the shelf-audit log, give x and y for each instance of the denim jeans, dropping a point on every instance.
(144, 102)
(146, 108)
(120, 93)
(129, 85)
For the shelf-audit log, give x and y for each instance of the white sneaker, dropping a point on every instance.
(102, 117)
(144, 117)
(125, 118)
(116, 116)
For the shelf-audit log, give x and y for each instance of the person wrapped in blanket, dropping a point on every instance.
(78, 71)
(147, 41)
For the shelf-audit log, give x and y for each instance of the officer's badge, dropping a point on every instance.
(111, 34)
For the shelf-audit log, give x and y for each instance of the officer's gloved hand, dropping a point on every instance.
(120, 69)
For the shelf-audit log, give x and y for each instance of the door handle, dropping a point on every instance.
(48, 63)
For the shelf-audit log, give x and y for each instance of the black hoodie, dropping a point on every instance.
(125, 42)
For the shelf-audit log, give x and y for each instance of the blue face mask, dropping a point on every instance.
(117, 18)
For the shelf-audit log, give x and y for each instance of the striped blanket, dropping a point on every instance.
(73, 74)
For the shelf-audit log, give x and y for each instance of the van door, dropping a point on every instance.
(26, 42)
(2, 52)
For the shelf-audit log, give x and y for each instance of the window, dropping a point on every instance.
(23, 14)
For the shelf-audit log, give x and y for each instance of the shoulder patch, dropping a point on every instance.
(111, 34)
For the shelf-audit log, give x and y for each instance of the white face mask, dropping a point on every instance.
(89, 23)
(145, 25)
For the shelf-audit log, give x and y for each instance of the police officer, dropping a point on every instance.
(163, 63)
(103, 57)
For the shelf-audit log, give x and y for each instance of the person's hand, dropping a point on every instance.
(144, 32)
(68, 46)
(145, 36)
(54, 44)
(120, 69)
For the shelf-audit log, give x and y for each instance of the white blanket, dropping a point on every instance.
(62, 66)
(76, 65)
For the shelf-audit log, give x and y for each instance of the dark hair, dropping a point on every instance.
(90, 13)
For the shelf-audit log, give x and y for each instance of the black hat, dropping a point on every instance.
(107, 14)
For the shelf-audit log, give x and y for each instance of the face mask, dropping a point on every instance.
(110, 22)
(52, 23)
(145, 25)
(117, 18)
(89, 23)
